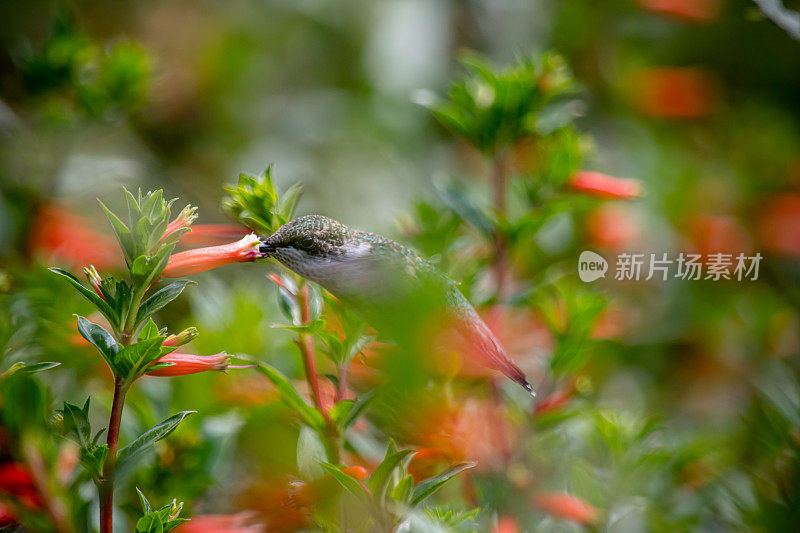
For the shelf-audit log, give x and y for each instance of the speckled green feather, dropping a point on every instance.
(390, 285)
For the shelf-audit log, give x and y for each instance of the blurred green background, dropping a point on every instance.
(686, 411)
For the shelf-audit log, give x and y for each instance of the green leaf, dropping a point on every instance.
(160, 299)
(101, 339)
(149, 331)
(175, 522)
(90, 295)
(309, 329)
(150, 523)
(403, 490)
(76, 423)
(310, 453)
(432, 484)
(350, 484)
(22, 367)
(135, 359)
(382, 477)
(291, 397)
(146, 440)
(143, 500)
(361, 403)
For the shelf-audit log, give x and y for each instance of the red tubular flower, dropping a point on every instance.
(17, 482)
(60, 235)
(691, 10)
(190, 364)
(202, 259)
(675, 92)
(604, 185)
(567, 507)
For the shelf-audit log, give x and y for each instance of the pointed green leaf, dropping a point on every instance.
(382, 477)
(432, 484)
(150, 523)
(350, 484)
(101, 339)
(21, 367)
(160, 299)
(146, 440)
(291, 397)
(310, 453)
(90, 295)
(145, 504)
(403, 490)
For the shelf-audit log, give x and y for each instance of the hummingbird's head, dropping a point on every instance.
(309, 237)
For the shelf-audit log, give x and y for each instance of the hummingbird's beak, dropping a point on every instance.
(266, 248)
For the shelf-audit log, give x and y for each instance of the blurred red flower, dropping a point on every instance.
(190, 364)
(7, 515)
(599, 184)
(779, 226)
(555, 401)
(16, 481)
(710, 234)
(566, 507)
(471, 430)
(692, 10)
(613, 226)
(202, 259)
(232, 523)
(506, 524)
(677, 92)
(62, 236)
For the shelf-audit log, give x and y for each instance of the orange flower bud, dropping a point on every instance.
(183, 220)
(187, 335)
(567, 507)
(357, 472)
(604, 185)
(202, 259)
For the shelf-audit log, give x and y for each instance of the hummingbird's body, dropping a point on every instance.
(390, 285)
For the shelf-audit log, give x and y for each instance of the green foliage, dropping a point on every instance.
(254, 202)
(97, 78)
(146, 440)
(492, 109)
(161, 520)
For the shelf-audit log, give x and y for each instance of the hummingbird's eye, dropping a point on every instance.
(305, 243)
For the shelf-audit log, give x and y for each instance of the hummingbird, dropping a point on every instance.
(389, 285)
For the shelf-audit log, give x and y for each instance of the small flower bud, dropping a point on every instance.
(94, 279)
(185, 336)
(184, 219)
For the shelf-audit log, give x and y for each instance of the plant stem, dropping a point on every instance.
(107, 480)
(499, 183)
(306, 344)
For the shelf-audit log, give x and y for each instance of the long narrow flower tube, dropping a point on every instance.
(604, 185)
(202, 259)
(566, 507)
(184, 364)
